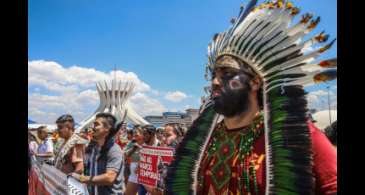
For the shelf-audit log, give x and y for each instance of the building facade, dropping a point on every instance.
(186, 118)
(156, 121)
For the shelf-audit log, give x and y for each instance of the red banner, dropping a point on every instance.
(35, 185)
(150, 157)
(44, 179)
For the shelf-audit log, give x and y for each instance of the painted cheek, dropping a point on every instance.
(235, 84)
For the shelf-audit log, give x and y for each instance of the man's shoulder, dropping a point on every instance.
(319, 138)
(47, 140)
(115, 147)
(115, 150)
(314, 130)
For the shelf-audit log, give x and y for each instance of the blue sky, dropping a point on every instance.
(163, 43)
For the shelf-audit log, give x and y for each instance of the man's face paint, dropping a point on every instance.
(231, 94)
(235, 83)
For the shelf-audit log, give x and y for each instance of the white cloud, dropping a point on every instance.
(145, 105)
(55, 77)
(155, 92)
(199, 100)
(41, 116)
(319, 100)
(46, 108)
(310, 49)
(312, 98)
(187, 107)
(319, 93)
(76, 93)
(173, 110)
(175, 96)
(87, 97)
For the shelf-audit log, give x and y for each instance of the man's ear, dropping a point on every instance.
(256, 83)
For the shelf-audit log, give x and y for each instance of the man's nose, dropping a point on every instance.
(215, 81)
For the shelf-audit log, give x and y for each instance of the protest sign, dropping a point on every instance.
(150, 157)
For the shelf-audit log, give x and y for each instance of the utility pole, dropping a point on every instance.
(329, 104)
(115, 72)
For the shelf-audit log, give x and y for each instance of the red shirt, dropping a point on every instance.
(215, 178)
(325, 162)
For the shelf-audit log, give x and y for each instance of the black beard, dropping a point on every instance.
(232, 102)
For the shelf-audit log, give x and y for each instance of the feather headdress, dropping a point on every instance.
(262, 36)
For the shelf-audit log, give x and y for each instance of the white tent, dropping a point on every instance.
(50, 127)
(323, 118)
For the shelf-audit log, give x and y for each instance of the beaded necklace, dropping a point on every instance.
(248, 136)
(246, 167)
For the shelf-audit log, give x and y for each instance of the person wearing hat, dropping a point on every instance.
(253, 136)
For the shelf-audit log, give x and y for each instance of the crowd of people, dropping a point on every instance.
(104, 156)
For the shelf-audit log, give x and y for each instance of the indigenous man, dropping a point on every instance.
(260, 140)
(70, 156)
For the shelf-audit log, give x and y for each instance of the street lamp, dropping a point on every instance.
(329, 104)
